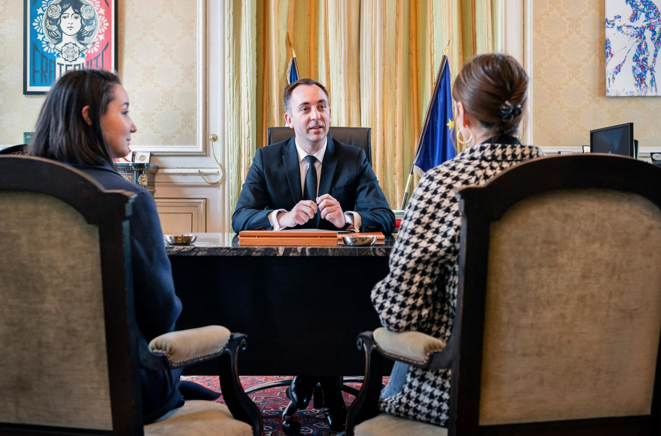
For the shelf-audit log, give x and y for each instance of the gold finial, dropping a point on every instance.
(293, 52)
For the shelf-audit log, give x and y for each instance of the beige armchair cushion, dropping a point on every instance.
(388, 425)
(199, 418)
(410, 347)
(191, 345)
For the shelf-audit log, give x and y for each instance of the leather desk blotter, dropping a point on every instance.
(287, 238)
(380, 238)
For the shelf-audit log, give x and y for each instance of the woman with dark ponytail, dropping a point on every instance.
(420, 291)
(491, 93)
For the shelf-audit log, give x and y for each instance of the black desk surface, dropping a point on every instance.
(301, 307)
(227, 244)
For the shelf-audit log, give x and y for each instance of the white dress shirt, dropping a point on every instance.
(349, 216)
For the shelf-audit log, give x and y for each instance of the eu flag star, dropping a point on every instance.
(450, 124)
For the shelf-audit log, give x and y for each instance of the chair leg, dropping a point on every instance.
(335, 409)
(289, 425)
(351, 390)
(326, 393)
(299, 393)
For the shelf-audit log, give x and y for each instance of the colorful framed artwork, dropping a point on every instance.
(63, 35)
(633, 39)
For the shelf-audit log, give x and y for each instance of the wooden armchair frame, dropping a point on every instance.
(481, 207)
(109, 211)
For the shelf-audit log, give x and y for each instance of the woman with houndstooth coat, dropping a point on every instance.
(420, 291)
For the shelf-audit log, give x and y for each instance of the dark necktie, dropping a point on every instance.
(311, 188)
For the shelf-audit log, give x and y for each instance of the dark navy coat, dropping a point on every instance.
(156, 305)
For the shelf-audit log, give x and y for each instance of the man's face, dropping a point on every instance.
(309, 115)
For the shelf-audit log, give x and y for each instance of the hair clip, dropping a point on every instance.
(508, 111)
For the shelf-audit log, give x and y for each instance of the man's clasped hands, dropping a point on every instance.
(305, 210)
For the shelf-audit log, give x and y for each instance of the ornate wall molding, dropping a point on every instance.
(182, 215)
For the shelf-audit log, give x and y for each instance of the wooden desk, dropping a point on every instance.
(301, 307)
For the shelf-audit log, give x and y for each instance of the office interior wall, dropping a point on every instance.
(163, 64)
(157, 64)
(569, 81)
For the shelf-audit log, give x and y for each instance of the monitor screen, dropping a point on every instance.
(613, 140)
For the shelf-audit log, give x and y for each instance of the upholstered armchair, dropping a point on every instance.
(70, 361)
(558, 318)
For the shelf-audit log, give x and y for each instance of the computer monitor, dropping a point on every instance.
(613, 140)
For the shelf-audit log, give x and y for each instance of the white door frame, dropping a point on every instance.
(191, 185)
(516, 34)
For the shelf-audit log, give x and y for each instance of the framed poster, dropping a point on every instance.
(633, 31)
(63, 35)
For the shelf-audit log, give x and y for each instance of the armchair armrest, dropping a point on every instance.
(415, 348)
(409, 347)
(180, 348)
(176, 349)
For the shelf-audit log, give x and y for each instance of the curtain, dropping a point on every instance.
(378, 59)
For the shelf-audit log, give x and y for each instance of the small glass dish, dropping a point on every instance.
(179, 239)
(359, 240)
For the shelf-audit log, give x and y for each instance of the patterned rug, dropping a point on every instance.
(272, 403)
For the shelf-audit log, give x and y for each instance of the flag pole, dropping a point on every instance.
(444, 62)
(298, 73)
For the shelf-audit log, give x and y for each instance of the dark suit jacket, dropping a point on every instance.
(157, 307)
(274, 182)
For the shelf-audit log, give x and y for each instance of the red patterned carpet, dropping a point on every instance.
(272, 402)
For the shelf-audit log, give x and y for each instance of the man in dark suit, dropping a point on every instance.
(347, 194)
(312, 181)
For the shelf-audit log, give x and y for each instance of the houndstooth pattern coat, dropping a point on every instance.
(420, 291)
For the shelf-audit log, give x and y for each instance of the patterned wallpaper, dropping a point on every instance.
(157, 65)
(569, 85)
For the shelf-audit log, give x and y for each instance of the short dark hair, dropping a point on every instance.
(286, 97)
(489, 84)
(62, 133)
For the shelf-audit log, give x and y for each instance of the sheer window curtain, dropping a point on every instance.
(377, 58)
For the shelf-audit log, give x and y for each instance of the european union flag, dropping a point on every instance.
(437, 143)
(292, 70)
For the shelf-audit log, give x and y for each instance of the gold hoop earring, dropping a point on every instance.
(460, 136)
